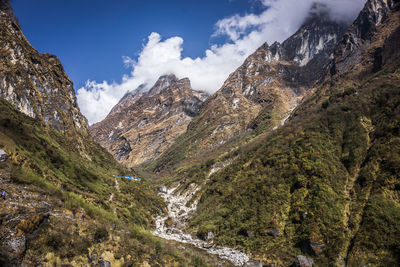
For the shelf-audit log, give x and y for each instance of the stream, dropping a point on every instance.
(179, 214)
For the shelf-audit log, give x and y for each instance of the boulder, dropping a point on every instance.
(104, 263)
(210, 235)
(162, 189)
(317, 247)
(3, 155)
(13, 248)
(302, 261)
(208, 245)
(254, 264)
(274, 232)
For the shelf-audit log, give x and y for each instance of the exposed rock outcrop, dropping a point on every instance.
(21, 214)
(359, 36)
(303, 261)
(6, 7)
(145, 123)
(262, 92)
(3, 155)
(35, 83)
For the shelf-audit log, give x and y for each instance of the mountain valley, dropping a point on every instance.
(294, 161)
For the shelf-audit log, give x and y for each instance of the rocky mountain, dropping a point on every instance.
(45, 176)
(260, 95)
(45, 179)
(36, 83)
(359, 37)
(128, 98)
(145, 123)
(243, 182)
(323, 189)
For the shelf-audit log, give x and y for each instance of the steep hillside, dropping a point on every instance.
(51, 166)
(45, 179)
(144, 124)
(259, 96)
(359, 37)
(326, 184)
(36, 83)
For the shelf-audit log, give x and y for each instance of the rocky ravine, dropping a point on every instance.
(145, 123)
(171, 226)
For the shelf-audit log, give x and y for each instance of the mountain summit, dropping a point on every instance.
(324, 188)
(294, 161)
(259, 96)
(143, 124)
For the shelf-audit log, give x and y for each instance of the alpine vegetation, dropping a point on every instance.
(277, 146)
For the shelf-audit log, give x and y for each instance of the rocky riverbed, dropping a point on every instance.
(171, 226)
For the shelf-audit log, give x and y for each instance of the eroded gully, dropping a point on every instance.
(179, 214)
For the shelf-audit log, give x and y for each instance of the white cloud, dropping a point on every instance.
(279, 20)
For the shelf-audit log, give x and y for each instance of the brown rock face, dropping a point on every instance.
(360, 35)
(144, 124)
(262, 92)
(35, 83)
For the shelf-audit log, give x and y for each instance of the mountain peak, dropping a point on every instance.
(184, 82)
(6, 7)
(272, 80)
(162, 83)
(144, 124)
(170, 76)
(140, 89)
(318, 10)
(318, 35)
(358, 37)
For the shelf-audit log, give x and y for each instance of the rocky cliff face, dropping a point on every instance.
(326, 184)
(143, 124)
(359, 37)
(262, 92)
(45, 176)
(35, 83)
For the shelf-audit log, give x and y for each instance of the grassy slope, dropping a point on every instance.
(44, 162)
(328, 177)
(44, 157)
(185, 151)
(328, 180)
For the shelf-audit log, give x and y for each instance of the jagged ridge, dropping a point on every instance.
(326, 185)
(144, 124)
(260, 94)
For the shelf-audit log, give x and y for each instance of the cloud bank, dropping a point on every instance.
(279, 20)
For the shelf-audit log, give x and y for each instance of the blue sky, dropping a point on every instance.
(91, 36)
(111, 47)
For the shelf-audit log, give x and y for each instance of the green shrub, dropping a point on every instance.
(101, 234)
